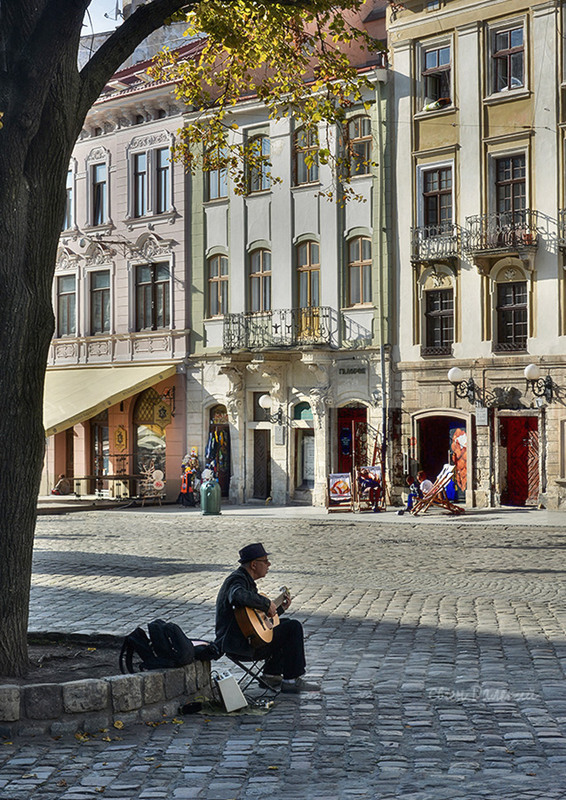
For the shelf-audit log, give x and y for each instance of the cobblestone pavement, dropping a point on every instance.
(439, 643)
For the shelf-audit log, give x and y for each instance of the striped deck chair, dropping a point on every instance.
(339, 494)
(437, 495)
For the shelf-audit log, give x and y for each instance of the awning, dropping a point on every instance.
(78, 393)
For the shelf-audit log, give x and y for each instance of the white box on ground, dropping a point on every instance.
(232, 695)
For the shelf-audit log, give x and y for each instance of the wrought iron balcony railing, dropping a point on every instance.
(435, 242)
(286, 327)
(437, 351)
(502, 230)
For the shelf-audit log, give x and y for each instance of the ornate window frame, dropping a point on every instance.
(98, 156)
(434, 277)
(150, 144)
(510, 270)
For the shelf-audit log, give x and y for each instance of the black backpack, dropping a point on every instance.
(166, 646)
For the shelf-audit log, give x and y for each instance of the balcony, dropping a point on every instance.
(280, 328)
(435, 242)
(502, 231)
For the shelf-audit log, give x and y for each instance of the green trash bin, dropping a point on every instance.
(210, 498)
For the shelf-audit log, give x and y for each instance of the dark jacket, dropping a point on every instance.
(238, 590)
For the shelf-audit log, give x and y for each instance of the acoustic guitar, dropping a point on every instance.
(256, 626)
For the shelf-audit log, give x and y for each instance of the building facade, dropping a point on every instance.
(290, 300)
(180, 304)
(115, 385)
(479, 165)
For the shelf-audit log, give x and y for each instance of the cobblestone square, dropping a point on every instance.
(439, 643)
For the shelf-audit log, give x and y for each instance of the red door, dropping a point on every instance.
(352, 438)
(520, 437)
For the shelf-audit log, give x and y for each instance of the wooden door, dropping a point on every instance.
(262, 464)
(352, 439)
(520, 436)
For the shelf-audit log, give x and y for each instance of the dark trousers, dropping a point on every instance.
(285, 654)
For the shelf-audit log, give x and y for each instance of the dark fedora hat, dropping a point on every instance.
(251, 552)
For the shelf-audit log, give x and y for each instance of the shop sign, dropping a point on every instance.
(482, 415)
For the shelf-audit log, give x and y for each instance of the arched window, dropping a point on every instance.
(217, 286)
(359, 270)
(259, 165)
(216, 175)
(260, 280)
(359, 145)
(305, 156)
(308, 274)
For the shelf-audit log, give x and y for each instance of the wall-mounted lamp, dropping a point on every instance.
(462, 386)
(265, 402)
(541, 387)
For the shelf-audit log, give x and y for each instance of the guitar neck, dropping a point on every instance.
(278, 600)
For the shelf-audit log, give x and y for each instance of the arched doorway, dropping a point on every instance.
(443, 439)
(218, 447)
(150, 420)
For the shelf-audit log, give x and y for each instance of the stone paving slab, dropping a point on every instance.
(440, 646)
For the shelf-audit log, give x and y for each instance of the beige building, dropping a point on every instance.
(115, 386)
(479, 120)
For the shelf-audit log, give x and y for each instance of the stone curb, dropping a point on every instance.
(94, 703)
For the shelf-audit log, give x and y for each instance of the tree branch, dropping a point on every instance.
(121, 44)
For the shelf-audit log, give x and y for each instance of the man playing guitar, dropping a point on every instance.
(284, 655)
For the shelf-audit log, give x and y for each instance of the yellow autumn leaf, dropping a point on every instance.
(119, 724)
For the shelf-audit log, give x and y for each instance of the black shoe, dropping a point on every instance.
(272, 680)
(299, 685)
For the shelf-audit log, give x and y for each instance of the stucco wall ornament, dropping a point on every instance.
(150, 140)
(235, 393)
(439, 279)
(320, 372)
(99, 255)
(320, 398)
(507, 397)
(510, 275)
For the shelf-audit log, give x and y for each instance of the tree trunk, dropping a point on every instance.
(43, 103)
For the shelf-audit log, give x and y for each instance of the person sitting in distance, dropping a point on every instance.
(414, 494)
(424, 484)
(284, 655)
(63, 486)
